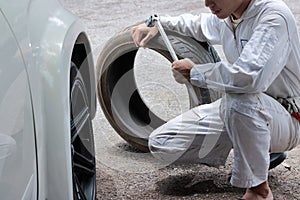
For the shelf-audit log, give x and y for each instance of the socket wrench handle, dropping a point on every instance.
(154, 20)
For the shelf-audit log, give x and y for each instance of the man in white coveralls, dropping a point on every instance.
(260, 82)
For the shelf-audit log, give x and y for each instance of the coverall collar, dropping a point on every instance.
(250, 12)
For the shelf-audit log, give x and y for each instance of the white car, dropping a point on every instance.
(47, 103)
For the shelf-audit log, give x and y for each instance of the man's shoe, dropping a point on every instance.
(276, 159)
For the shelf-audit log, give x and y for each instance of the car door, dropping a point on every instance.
(18, 170)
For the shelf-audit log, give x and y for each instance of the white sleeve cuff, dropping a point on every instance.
(197, 74)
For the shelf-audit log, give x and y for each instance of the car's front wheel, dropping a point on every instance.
(82, 141)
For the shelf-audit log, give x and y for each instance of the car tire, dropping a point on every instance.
(117, 90)
(82, 141)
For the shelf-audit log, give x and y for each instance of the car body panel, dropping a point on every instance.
(46, 35)
(17, 139)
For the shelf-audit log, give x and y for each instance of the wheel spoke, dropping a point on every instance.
(84, 170)
(79, 192)
(84, 160)
(75, 94)
(78, 122)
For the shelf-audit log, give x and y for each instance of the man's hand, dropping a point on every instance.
(181, 70)
(141, 34)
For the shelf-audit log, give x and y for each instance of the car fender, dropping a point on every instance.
(52, 44)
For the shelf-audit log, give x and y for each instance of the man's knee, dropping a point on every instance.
(168, 143)
(165, 147)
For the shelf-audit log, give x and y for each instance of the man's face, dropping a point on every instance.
(224, 8)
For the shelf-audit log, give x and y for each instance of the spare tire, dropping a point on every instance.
(117, 90)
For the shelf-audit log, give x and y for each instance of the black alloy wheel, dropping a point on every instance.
(82, 141)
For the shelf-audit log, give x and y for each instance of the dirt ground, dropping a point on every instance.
(125, 173)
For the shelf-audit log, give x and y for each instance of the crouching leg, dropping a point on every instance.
(197, 136)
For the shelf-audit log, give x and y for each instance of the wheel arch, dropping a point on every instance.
(80, 54)
(55, 46)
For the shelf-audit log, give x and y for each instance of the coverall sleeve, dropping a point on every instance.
(260, 62)
(203, 27)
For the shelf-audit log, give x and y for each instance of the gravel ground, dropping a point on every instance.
(125, 173)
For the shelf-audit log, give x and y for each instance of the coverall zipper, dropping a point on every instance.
(233, 29)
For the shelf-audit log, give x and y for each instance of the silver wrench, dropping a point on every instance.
(154, 20)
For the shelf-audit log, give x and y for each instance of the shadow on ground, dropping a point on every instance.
(190, 184)
(128, 148)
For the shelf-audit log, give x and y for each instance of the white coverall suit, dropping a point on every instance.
(263, 63)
